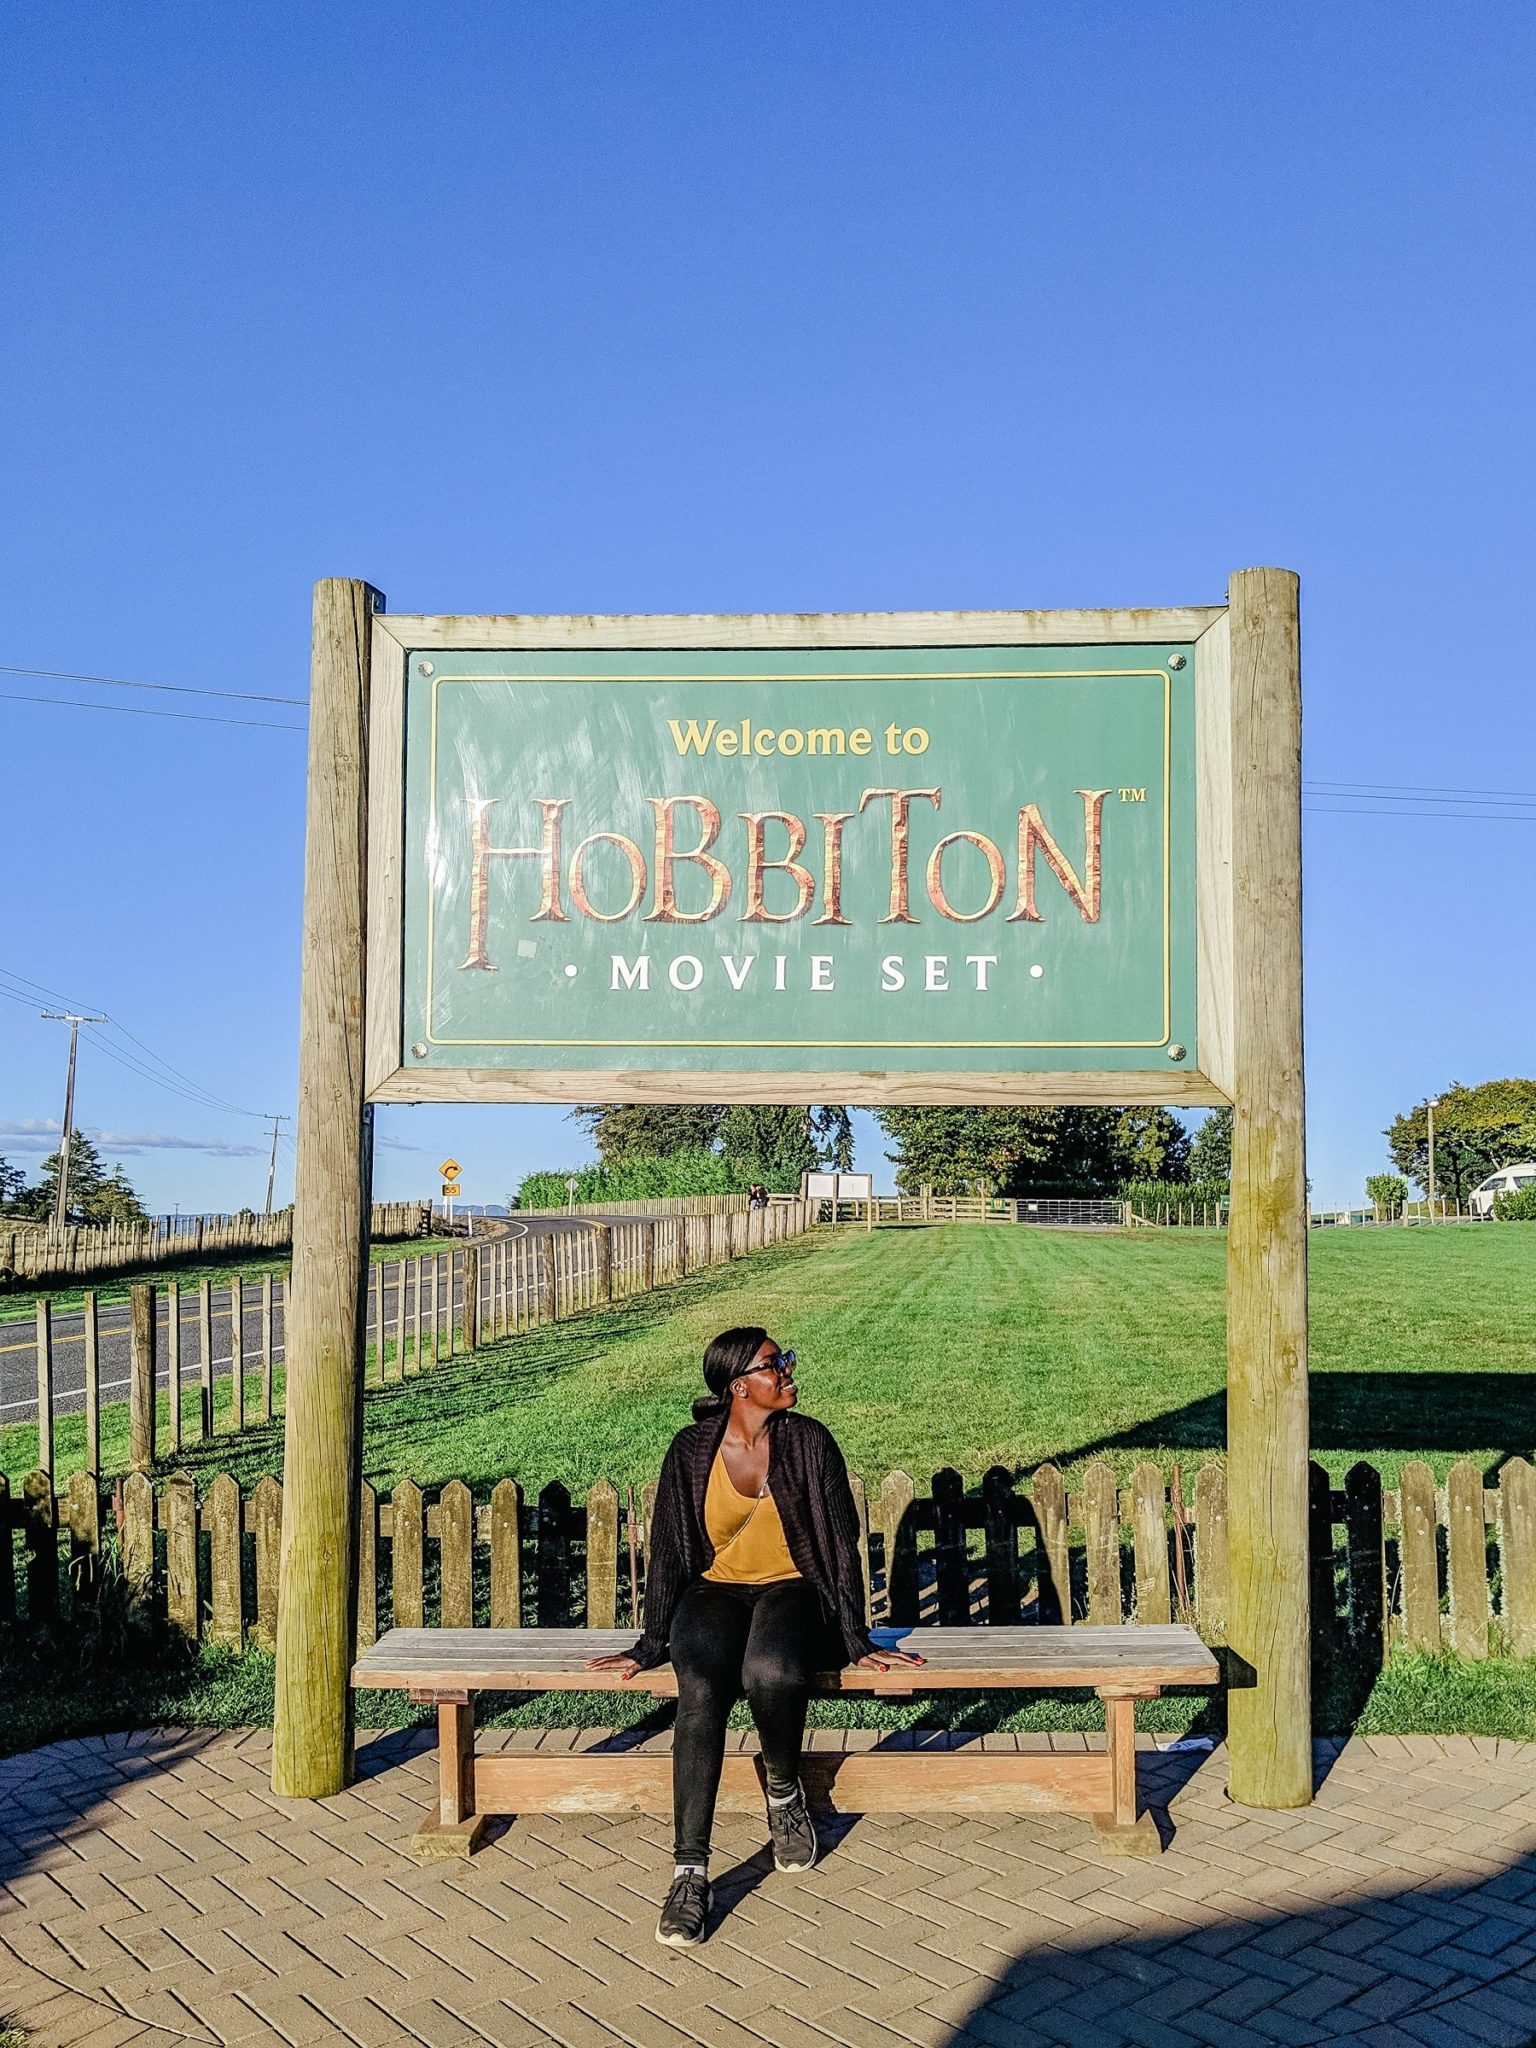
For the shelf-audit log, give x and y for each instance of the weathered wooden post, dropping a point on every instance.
(604, 1237)
(326, 1312)
(1269, 1704)
(141, 1378)
(471, 1303)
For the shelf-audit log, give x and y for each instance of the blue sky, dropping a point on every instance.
(697, 308)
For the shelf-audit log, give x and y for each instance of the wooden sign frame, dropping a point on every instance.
(1249, 1044)
(396, 637)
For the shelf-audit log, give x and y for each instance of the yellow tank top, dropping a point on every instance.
(748, 1535)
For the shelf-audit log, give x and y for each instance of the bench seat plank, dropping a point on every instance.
(554, 1660)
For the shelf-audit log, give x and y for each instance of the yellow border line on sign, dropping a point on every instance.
(843, 1044)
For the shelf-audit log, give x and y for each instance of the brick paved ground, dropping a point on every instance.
(155, 1893)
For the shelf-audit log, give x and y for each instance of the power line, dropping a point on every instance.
(178, 1083)
(1524, 796)
(64, 675)
(141, 711)
(1454, 817)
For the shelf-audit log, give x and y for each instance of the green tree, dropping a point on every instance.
(834, 1136)
(12, 1184)
(1210, 1156)
(1387, 1192)
(771, 1142)
(1477, 1130)
(651, 1130)
(1070, 1151)
(118, 1200)
(95, 1196)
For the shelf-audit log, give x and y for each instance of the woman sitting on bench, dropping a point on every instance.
(753, 1585)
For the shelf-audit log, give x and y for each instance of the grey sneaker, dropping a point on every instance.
(793, 1835)
(685, 1913)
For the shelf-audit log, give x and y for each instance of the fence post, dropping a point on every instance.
(7, 1554)
(471, 1307)
(647, 1257)
(1149, 1532)
(506, 1555)
(1001, 1547)
(1211, 1572)
(1053, 1589)
(602, 1556)
(603, 1237)
(92, 1382)
(1366, 1547)
(456, 1555)
(45, 1385)
(183, 1610)
(1418, 1554)
(224, 1518)
(237, 1353)
(1101, 1520)
(1467, 1549)
(172, 1368)
(41, 1521)
(900, 1541)
(141, 1379)
(1517, 1555)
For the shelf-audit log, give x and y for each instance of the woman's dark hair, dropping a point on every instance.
(728, 1357)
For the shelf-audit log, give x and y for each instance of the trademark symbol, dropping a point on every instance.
(1133, 796)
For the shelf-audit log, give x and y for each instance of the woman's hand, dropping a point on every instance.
(882, 1660)
(625, 1666)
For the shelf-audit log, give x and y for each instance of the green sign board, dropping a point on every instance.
(931, 859)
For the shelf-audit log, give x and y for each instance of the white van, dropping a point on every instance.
(1504, 1182)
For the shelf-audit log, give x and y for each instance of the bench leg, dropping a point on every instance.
(1120, 1832)
(454, 1831)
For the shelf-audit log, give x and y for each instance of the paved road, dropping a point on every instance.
(18, 1352)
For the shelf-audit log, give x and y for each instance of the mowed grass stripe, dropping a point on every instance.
(978, 1344)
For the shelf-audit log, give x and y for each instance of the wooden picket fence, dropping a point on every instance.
(39, 1254)
(1429, 1567)
(421, 1310)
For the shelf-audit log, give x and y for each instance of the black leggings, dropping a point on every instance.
(764, 1641)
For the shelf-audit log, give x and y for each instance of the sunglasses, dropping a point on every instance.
(782, 1364)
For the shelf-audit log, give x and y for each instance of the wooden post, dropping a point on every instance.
(312, 1749)
(237, 1354)
(265, 1396)
(172, 1367)
(45, 1385)
(92, 1383)
(471, 1302)
(1269, 1701)
(141, 1379)
(604, 1237)
(205, 1353)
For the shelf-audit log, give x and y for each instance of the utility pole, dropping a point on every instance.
(1432, 1105)
(74, 1021)
(277, 1122)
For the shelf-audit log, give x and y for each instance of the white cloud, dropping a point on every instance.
(41, 1135)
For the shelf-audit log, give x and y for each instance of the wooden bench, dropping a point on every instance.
(446, 1667)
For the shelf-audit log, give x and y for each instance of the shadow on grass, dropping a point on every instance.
(1384, 1411)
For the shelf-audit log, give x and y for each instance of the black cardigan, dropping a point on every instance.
(809, 1483)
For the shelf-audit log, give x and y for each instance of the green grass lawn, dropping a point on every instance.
(964, 1345)
(971, 1346)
